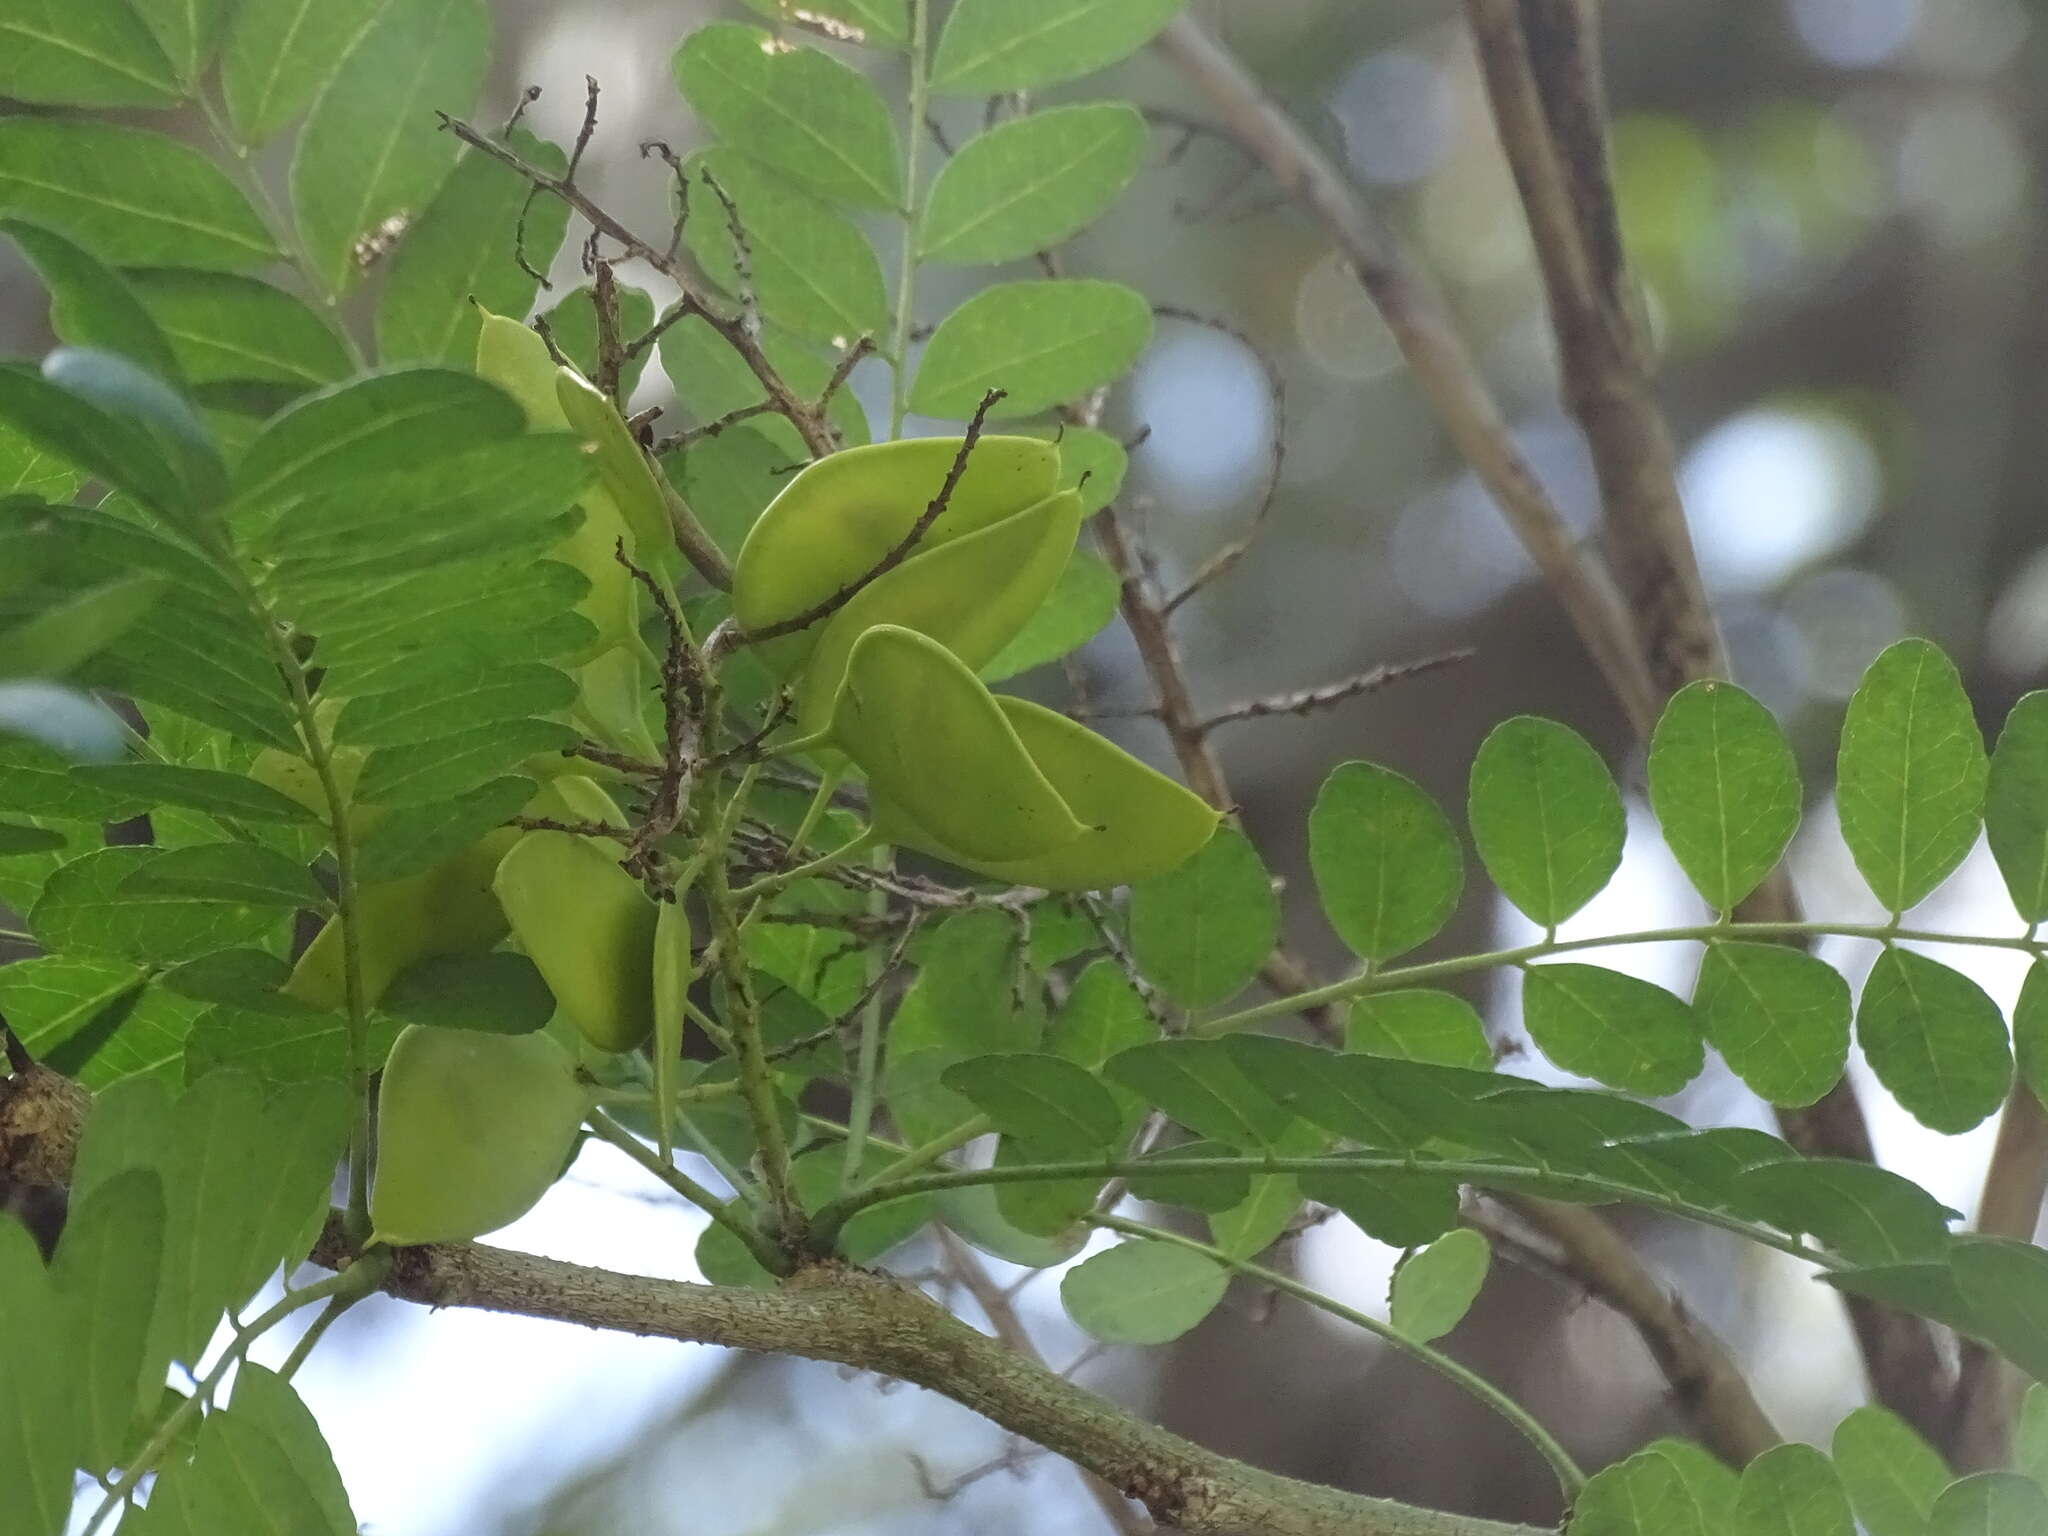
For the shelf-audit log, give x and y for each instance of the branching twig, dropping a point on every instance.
(1304, 701)
(817, 434)
(1437, 356)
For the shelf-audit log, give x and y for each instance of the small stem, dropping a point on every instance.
(923, 1156)
(757, 1080)
(720, 1211)
(1459, 965)
(906, 272)
(860, 1114)
(315, 1332)
(358, 1280)
(760, 890)
(1569, 1476)
(829, 1218)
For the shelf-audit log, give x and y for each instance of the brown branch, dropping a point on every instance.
(870, 1322)
(1899, 1350)
(1543, 80)
(817, 434)
(1539, 59)
(1704, 1379)
(1987, 1392)
(1443, 367)
(961, 1264)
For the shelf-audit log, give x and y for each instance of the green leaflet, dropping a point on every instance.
(1041, 342)
(813, 118)
(1725, 787)
(1387, 864)
(1911, 773)
(1144, 1292)
(1546, 817)
(1434, 1289)
(1934, 1039)
(1031, 183)
(1202, 930)
(1013, 45)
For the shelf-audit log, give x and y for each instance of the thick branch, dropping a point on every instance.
(1436, 354)
(1543, 80)
(1705, 1381)
(857, 1318)
(1540, 61)
(1987, 1389)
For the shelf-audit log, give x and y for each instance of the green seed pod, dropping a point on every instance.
(839, 516)
(622, 469)
(472, 1129)
(1139, 822)
(574, 797)
(972, 594)
(515, 359)
(589, 927)
(929, 734)
(612, 694)
(447, 910)
(672, 971)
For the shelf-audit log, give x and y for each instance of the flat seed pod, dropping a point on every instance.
(1139, 822)
(446, 910)
(472, 1129)
(932, 739)
(838, 517)
(622, 469)
(589, 927)
(971, 594)
(671, 980)
(514, 358)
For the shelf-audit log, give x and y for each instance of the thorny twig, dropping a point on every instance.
(817, 434)
(685, 699)
(742, 256)
(1304, 701)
